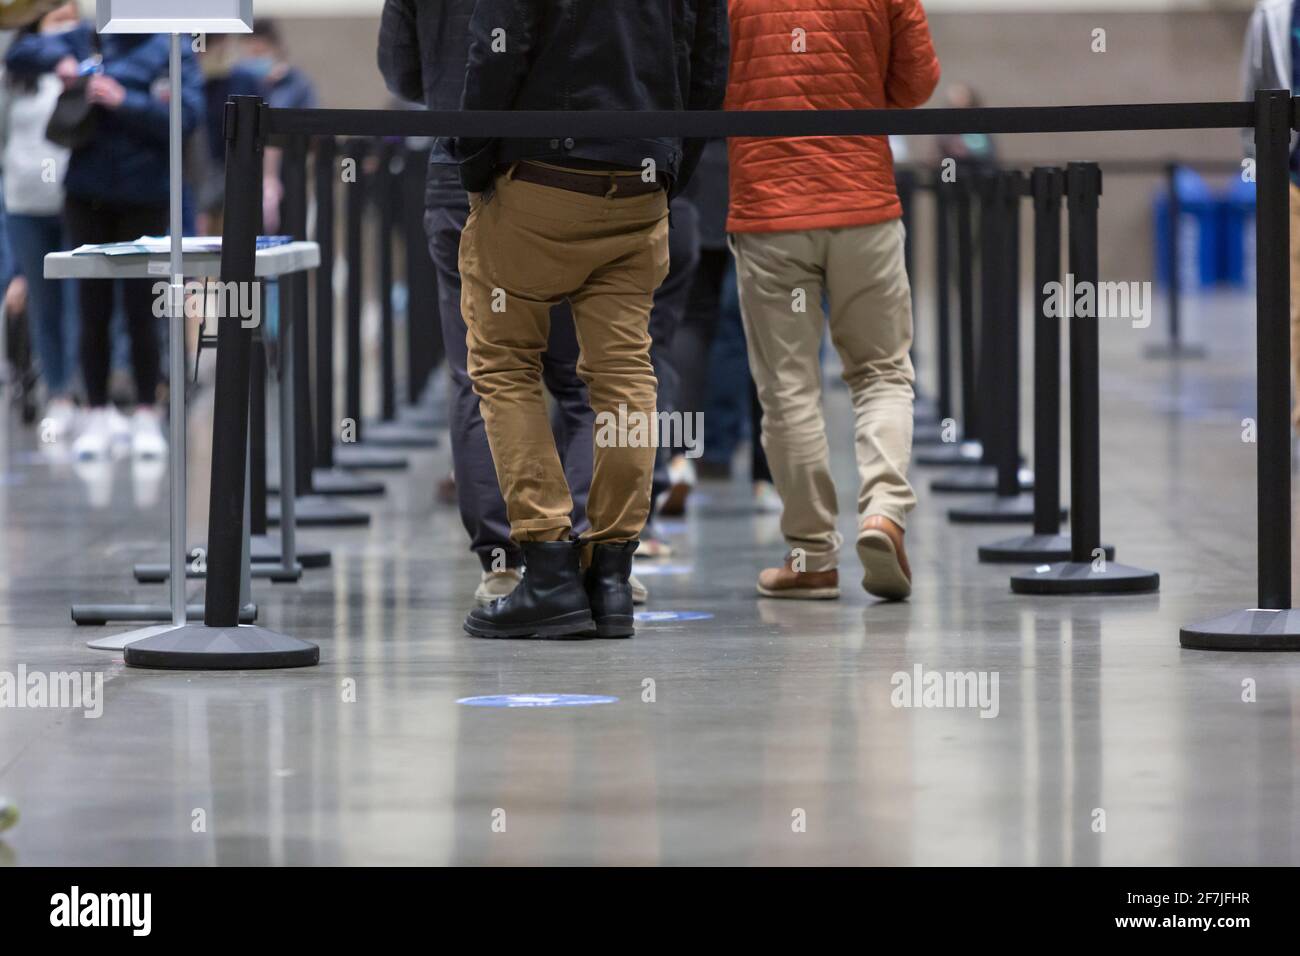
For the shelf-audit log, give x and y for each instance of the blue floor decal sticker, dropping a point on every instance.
(537, 700)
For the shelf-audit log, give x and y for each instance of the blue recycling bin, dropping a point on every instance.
(1199, 239)
(1237, 234)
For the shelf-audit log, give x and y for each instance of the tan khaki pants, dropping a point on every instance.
(782, 277)
(1295, 303)
(524, 248)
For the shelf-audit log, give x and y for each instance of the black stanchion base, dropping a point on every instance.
(352, 457)
(332, 483)
(398, 434)
(1012, 510)
(266, 549)
(196, 647)
(1033, 549)
(275, 572)
(1081, 577)
(951, 455)
(1175, 350)
(97, 615)
(1255, 629)
(977, 480)
(311, 511)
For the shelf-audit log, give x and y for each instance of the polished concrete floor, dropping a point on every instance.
(767, 733)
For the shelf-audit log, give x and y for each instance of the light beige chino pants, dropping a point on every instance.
(782, 277)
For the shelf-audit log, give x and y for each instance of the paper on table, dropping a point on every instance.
(162, 245)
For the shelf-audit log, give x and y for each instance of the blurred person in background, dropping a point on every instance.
(117, 190)
(709, 353)
(34, 170)
(423, 50)
(263, 69)
(814, 216)
(1271, 61)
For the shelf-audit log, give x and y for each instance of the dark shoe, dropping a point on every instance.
(548, 602)
(609, 589)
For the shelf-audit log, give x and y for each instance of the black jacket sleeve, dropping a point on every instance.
(399, 51)
(503, 35)
(710, 54)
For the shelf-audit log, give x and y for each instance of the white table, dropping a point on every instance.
(273, 263)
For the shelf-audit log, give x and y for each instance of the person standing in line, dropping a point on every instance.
(1271, 61)
(34, 170)
(582, 220)
(423, 49)
(814, 215)
(117, 191)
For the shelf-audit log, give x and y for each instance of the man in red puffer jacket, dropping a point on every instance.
(814, 216)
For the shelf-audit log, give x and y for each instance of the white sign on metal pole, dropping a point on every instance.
(173, 17)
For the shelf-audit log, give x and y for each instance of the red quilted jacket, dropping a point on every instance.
(822, 55)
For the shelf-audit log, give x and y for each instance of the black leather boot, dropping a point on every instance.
(549, 602)
(608, 589)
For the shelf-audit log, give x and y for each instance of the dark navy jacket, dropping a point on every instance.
(127, 162)
(571, 55)
(423, 46)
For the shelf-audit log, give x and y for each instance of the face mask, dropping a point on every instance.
(54, 29)
(260, 67)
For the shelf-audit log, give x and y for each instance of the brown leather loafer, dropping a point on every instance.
(785, 582)
(885, 571)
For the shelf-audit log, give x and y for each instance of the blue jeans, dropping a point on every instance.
(51, 303)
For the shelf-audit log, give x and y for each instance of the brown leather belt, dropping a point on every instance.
(611, 184)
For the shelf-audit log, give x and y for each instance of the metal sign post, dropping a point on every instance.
(161, 16)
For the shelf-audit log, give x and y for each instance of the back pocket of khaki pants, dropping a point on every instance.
(525, 255)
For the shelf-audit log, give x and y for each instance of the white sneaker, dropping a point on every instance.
(59, 420)
(97, 436)
(147, 439)
(639, 593)
(497, 584)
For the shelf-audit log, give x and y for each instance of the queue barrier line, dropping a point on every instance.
(221, 643)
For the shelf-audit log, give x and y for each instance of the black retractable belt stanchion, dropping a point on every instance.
(929, 428)
(220, 642)
(352, 452)
(1046, 543)
(326, 477)
(312, 483)
(1272, 625)
(1088, 571)
(389, 431)
(1174, 346)
(312, 510)
(423, 328)
(981, 477)
(967, 450)
(1001, 352)
(905, 183)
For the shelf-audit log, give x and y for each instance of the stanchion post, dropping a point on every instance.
(326, 161)
(1272, 625)
(295, 225)
(386, 196)
(970, 412)
(1000, 351)
(355, 246)
(220, 643)
(243, 219)
(943, 295)
(1088, 571)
